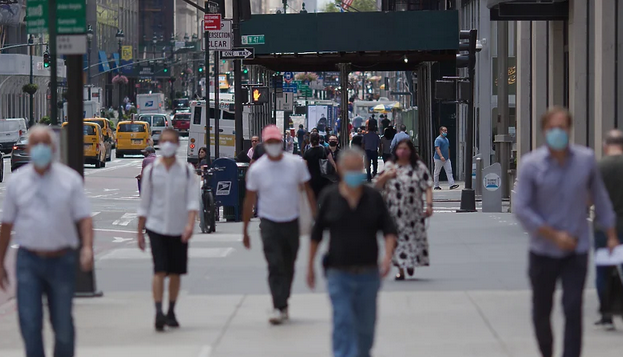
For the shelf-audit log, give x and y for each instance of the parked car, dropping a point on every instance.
(11, 129)
(181, 122)
(20, 156)
(157, 122)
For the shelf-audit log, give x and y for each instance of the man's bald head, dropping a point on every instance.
(41, 134)
(613, 144)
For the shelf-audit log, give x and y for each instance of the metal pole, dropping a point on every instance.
(468, 196)
(89, 68)
(478, 177)
(74, 114)
(237, 80)
(503, 140)
(344, 69)
(31, 120)
(217, 108)
(53, 63)
(206, 37)
(119, 74)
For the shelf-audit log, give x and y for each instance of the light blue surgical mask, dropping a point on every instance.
(557, 139)
(444, 134)
(41, 155)
(354, 179)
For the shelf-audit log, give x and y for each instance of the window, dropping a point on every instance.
(132, 128)
(158, 120)
(89, 130)
(197, 118)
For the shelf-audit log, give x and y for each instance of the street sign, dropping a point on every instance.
(239, 53)
(222, 39)
(71, 44)
(253, 40)
(71, 17)
(211, 22)
(288, 77)
(285, 102)
(37, 16)
(290, 88)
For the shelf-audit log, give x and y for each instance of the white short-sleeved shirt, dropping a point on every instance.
(44, 209)
(277, 185)
(167, 196)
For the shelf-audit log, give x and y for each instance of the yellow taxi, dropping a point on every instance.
(132, 137)
(96, 150)
(107, 131)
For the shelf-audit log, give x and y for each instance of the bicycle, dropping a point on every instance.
(210, 213)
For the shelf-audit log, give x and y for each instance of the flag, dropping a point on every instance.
(346, 4)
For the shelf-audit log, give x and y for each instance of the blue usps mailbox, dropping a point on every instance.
(225, 185)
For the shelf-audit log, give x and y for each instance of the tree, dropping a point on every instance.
(361, 5)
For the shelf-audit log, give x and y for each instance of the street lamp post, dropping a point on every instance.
(31, 120)
(89, 41)
(120, 37)
(194, 57)
(154, 42)
(172, 41)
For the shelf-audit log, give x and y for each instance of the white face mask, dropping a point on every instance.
(168, 149)
(273, 150)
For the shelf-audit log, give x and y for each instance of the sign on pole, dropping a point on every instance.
(253, 40)
(223, 38)
(211, 22)
(239, 53)
(37, 16)
(70, 23)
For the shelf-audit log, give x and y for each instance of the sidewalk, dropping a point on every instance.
(432, 324)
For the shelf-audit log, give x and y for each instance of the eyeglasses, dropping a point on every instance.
(254, 141)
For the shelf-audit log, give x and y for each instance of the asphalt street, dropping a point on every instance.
(472, 301)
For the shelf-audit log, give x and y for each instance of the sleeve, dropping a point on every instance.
(386, 222)
(394, 141)
(9, 206)
(258, 152)
(426, 180)
(523, 200)
(80, 207)
(146, 182)
(252, 184)
(601, 199)
(304, 175)
(192, 194)
(437, 143)
(320, 224)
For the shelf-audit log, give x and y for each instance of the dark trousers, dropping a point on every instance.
(544, 273)
(281, 245)
(372, 157)
(387, 157)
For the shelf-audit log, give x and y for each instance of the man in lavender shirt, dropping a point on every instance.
(556, 184)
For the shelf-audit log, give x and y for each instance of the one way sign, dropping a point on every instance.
(239, 53)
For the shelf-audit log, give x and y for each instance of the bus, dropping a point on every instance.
(196, 134)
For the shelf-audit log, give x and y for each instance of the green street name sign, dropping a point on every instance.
(253, 40)
(70, 16)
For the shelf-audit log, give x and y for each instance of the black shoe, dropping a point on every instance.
(437, 188)
(453, 187)
(171, 321)
(606, 323)
(399, 277)
(161, 320)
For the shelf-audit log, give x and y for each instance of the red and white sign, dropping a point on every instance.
(211, 22)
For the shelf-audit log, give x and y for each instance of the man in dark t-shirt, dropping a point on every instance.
(300, 134)
(257, 153)
(385, 123)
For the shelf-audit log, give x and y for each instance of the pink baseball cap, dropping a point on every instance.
(271, 132)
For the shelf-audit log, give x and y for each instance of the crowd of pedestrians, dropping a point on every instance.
(340, 190)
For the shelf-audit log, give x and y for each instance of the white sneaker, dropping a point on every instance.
(277, 317)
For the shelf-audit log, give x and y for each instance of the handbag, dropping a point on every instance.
(612, 303)
(326, 169)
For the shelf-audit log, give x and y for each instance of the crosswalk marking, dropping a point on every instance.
(125, 219)
(93, 214)
(136, 254)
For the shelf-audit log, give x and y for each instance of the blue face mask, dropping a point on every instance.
(444, 134)
(557, 139)
(354, 179)
(41, 155)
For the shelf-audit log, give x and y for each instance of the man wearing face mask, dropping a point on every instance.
(442, 159)
(276, 179)
(353, 213)
(334, 150)
(556, 182)
(44, 203)
(168, 208)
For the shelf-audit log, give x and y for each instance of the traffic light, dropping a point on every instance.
(260, 95)
(46, 59)
(166, 69)
(245, 70)
(200, 69)
(467, 44)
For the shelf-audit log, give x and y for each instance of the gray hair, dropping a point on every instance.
(614, 137)
(43, 129)
(348, 153)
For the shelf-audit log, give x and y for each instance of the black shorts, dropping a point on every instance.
(170, 255)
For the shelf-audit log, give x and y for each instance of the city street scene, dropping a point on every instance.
(285, 178)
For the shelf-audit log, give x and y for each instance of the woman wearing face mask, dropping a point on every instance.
(404, 183)
(334, 150)
(313, 156)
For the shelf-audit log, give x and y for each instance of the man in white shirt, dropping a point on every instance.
(168, 207)
(45, 205)
(276, 179)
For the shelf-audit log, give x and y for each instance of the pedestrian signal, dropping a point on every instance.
(260, 95)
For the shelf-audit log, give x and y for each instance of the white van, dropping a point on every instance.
(196, 134)
(11, 130)
(157, 122)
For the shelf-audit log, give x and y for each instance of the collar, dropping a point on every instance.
(548, 154)
(48, 173)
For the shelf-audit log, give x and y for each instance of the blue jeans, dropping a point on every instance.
(56, 279)
(601, 272)
(353, 297)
